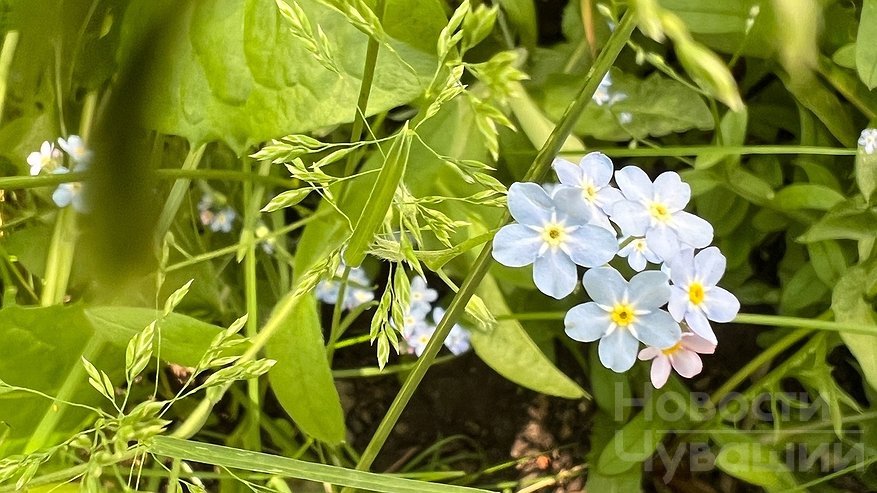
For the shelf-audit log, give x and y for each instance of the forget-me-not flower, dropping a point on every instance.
(420, 331)
(358, 289)
(421, 295)
(623, 314)
(585, 187)
(695, 298)
(655, 211)
(554, 242)
(70, 193)
(637, 252)
(48, 158)
(604, 94)
(217, 217)
(868, 140)
(684, 357)
(458, 338)
(75, 147)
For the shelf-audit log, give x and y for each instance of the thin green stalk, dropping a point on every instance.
(177, 194)
(538, 169)
(680, 151)
(388, 370)
(60, 258)
(10, 42)
(55, 411)
(25, 182)
(805, 323)
(335, 328)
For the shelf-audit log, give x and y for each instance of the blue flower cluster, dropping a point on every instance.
(215, 213)
(359, 290)
(585, 221)
(419, 325)
(50, 159)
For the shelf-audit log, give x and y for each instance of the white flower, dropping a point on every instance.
(585, 187)
(683, 357)
(70, 193)
(695, 298)
(47, 158)
(623, 314)
(654, 211)
(868, 140)
(75, 147)
(638, 253)
(421, 295)
(554, 242)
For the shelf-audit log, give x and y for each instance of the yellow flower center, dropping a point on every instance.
(416, 296)
(553, 234)
(639, 245)
(589, 192)
(672, 349)
(695, 293)
(622, 315)
(659, 212)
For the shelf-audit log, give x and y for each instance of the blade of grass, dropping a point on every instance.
(178, 193)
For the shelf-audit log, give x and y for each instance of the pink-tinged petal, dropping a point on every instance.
(516, 245)
(649, 353)
(617, 350)
(720, 305)
(697, 343)
(660, 371)
(555, 274)
(631, 217)
(604, 285)
(567, 172)
(692, 230)
(671, 191)
(686, 363)
(598, 167)
(586, 322)
(634, 183)
(709, 264)
(698, 323)
(529, 203)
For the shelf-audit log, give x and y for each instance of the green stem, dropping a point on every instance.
(538, 169)
(43, 432)
(335, 328)
(679, 151)
(6, 54)
(805, 323)
(24, 182)
(178, 193)
(59, 261)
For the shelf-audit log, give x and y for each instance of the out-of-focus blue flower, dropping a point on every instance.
(622, 314)
(422, 296)
(655, 211)
(216, 217)
(46, 159)
(458, 338)
(75, 147)
(638, 253)
(554, 242)
(695, 298)
(868, 140)
(358, 289)
(604, 93)
(625, 117)
(267, 243)
(70, 193)
(419, 331)
(585, 187)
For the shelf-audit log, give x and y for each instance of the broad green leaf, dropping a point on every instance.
(42, 348)
(866, 174)
(723, 25)
(850, 220)
(749, 186)
(522, 15)
(802, 290)
(602, 431)
(824, 103)
(828, 260)
(635, 442)
(756, 464)
(183, 339)
(232, 70)
(509, 350)
(233, 458)
(301, 379)
(845, 56)
(849, 305)
(733, 133)
(866, 44)
(807, 196)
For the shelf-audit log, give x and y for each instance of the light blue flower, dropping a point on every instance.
(586, 187)
(655, 211)
(75, 147)
(358, 291)
(70, 193)
(868, 140)
(458, 338)
(695, 298)
(216, 217)
(46, 159)
(554, 242)
(637, 252)
(604, 94)
(419, 332)
(623, 314)
(421, 295)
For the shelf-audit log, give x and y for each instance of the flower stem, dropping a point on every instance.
(537, 170)
(177, 194)
(10, 41)
(680, 151)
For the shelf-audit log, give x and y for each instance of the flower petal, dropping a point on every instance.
(692, 230)
(607, 197)
(516, 245)
(697, 343)
(686, 363)
(678, 304)
(660, 372)
(657, 328)
(591, 246)
(663, 241)
(634, 183)
(555, 274)
(709, 264)
(698, 323)
(570, 202)
(586, 322)
(682, 267)
(670, 190)
(529, 203)
(649, 290)
(598, 167)
(618, 350)
(720, 305)
(567, 172)
(649, 353)
(631, 217)
(605, 285)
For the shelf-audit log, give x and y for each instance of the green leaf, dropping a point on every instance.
(756, 464)
(845, 56)
(522, 15)
(509, 350)
(866, 173)
(227, 457)
(286, 199)
(824, 103)
(807, 196)
(850, 220)
(849, 305)
(866, 44)
(232, 70)
(602, 431)
(183, 339)
(301, 378)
